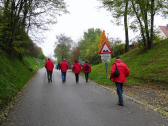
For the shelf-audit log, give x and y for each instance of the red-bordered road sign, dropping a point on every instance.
(105, 49)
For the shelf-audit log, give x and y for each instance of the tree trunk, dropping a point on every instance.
(147, 29)
(126, 27)
(144, 13)
(152, 24)
(140, 24)
(25, 12)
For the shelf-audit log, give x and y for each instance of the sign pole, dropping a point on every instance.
(106, 65)
(105, 51)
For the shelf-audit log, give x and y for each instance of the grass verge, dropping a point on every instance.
(14, 74)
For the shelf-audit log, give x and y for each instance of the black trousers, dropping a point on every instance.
(49, 75)
(77, 78)
(86, 76)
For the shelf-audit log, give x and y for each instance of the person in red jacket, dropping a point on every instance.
(87, 69)
(77, 69)
(119, 74)
(64, 67)
(49, 65)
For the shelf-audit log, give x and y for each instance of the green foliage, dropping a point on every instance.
(98, 74)
(150, 66)
(146, 67)
(16, 17)
(63, 48)
(118, 49)
(88, 46)
(143, 12)
(13, 76)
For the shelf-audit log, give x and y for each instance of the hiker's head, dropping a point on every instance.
(118, 59)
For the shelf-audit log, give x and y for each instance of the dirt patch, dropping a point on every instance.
(150, 94)
(154, 95)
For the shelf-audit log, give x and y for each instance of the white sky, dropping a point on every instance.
(84, 14)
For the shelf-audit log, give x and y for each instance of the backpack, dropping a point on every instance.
(117, 72)
(87, 68)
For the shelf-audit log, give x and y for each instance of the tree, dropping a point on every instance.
(63, 47)
(145, 11)
(88, 46)
(120, 8)
(20, 15)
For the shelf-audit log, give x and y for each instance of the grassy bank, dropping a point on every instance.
(13, 76)
(146, 67)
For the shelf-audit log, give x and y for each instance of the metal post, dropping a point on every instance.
(106, 65)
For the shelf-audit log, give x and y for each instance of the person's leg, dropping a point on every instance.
(62, 75)
(77, 78)
(51, 76)
(120, 93)
(48, 76)
(86, 76)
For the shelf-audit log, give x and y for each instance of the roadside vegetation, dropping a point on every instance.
(20, 57)
(146, 66)
(14, 75)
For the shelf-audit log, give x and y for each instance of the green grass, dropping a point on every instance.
(14, 74)
(146, 67)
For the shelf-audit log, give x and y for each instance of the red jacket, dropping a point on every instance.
(87, 68)
(64, 66)
(123, 69)
(77, 68)
(49, 65)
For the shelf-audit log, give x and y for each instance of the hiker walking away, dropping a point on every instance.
(64, 67)
(76, 69)
(49, 67)
(87, 69)
(119, 74)
(58, 66)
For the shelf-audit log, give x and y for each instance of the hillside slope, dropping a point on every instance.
(13, 76)
(149, 66)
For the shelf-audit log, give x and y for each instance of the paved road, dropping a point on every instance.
(70, 104)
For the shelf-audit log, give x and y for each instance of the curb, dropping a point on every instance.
(156, 109)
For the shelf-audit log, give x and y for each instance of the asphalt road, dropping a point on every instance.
(71, 104)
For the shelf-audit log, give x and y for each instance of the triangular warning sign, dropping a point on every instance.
(103, 39)
(105, 49)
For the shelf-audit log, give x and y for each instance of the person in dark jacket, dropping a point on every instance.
(87, 69)
(119, 74)
(64, 67)
(77, 69)
(49, 65)
(58, 66)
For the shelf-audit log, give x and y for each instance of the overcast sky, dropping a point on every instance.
(84, 14)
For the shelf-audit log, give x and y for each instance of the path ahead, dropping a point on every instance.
(70, 104)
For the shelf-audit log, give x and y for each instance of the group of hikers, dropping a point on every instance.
(119, 73)
(64, 66)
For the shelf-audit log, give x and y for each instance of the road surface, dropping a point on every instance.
(71, 104)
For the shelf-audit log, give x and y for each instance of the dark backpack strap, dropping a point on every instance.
(116, 66)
